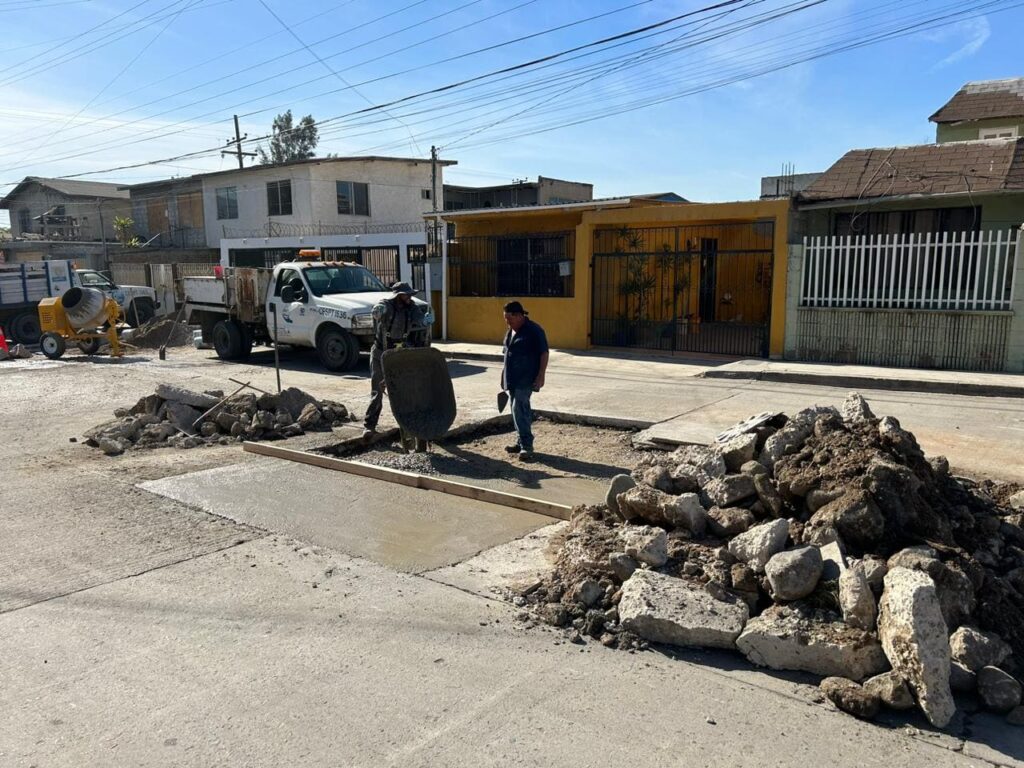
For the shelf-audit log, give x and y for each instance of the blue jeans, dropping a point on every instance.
(522, 416)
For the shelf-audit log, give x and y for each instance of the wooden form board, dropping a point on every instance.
(413, 480)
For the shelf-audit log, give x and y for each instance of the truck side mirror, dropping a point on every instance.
(288, 294)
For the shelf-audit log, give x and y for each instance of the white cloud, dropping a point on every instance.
(970, 35)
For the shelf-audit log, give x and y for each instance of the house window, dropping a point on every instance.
(1006, 132)
(279, 198)
(227, 202)
(24, 220)
(425, 194)
(353, 198)
(920, 222)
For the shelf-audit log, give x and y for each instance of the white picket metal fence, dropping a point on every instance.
(951, 271)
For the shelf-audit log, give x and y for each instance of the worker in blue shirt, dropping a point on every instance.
(526, 361)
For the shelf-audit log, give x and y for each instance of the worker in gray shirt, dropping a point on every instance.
(395, 323)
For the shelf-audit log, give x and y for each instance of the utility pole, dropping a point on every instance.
(237, 141)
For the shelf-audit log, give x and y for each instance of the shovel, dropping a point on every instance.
(502, 401)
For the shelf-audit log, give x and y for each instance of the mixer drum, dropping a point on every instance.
(85, 308)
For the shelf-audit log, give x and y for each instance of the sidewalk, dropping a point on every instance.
(756, 369)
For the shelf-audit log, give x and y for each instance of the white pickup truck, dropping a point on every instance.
(323, 305)
(23, 284)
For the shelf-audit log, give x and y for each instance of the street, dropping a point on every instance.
(138, 630)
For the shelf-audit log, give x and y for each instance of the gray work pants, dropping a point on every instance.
(376, 388)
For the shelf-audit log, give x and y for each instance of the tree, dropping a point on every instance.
(123, 229)
(290, 142)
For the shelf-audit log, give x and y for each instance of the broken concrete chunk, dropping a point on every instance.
(768, 495)
(976, 649)
(110, 446)
(729, 490)
(645, 543)
(587, 592)
(916, 641)
(309, 417)
(293, 400)
(622, 565)
(1016, 501)
(703, 457)
(856, 408)
(998, 690)
(182, 416)
(891, 689)
(728, 522)
(875, 569)
(794, 574)
(208, 429)
(817, 499)
(781, 638)
(175, 394)
(687, 512)
(664, 609)
(851, 697)
(757, 545)
(833, 560)
(856, 599)
(687, 479)
(855, 516)
(738, 451)
(754, 468)
(658, 477)
(619, 485)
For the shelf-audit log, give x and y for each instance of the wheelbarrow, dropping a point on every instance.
(421, 395)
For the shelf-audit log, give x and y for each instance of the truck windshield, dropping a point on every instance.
(327, 280)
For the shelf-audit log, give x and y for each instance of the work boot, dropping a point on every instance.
(514, 448)
(369, 432)
(525, 455)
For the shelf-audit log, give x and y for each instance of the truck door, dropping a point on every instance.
(290, 316)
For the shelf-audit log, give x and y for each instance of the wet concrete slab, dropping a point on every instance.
(407, 529)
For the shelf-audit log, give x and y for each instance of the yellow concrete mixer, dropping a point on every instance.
(78, 316)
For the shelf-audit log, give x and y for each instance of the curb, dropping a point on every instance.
(863, 382)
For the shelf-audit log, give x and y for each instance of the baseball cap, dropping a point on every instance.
(515, 308)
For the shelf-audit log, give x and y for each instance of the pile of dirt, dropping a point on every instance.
(161, 332)
(825, 542)
(178, 417)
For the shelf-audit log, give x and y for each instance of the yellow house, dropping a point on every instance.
(625, 272)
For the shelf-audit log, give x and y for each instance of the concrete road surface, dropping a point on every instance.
(138, 630)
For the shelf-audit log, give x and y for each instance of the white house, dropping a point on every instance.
(322, 196)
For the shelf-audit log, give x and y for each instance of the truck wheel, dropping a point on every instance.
(90, 347)
(53, 346)
(24, 327)
(228, 340)
(140, 312)
(338, 350)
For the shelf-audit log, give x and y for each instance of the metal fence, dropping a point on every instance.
(697, 288)
(513, 265)
(959, 271)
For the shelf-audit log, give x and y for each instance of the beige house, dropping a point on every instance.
(65, 209)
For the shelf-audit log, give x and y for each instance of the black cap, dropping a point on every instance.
(515, 308)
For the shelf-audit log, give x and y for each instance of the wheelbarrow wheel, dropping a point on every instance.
(53, 346)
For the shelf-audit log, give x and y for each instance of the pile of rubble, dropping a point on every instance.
(162, 332)
(825, 543)
(182, 418)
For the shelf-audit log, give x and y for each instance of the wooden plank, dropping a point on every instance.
(413, 480)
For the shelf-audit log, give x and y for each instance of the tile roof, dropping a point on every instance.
(70, 187)
(994, 165)
(984, 100)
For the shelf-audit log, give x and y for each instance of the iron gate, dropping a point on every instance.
(697, 288)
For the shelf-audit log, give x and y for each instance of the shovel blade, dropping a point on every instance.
(502, 401)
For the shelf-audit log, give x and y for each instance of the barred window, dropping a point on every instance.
(353, 198)
(227, 203)
(279, 198)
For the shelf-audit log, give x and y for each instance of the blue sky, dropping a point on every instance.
(90, 85)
